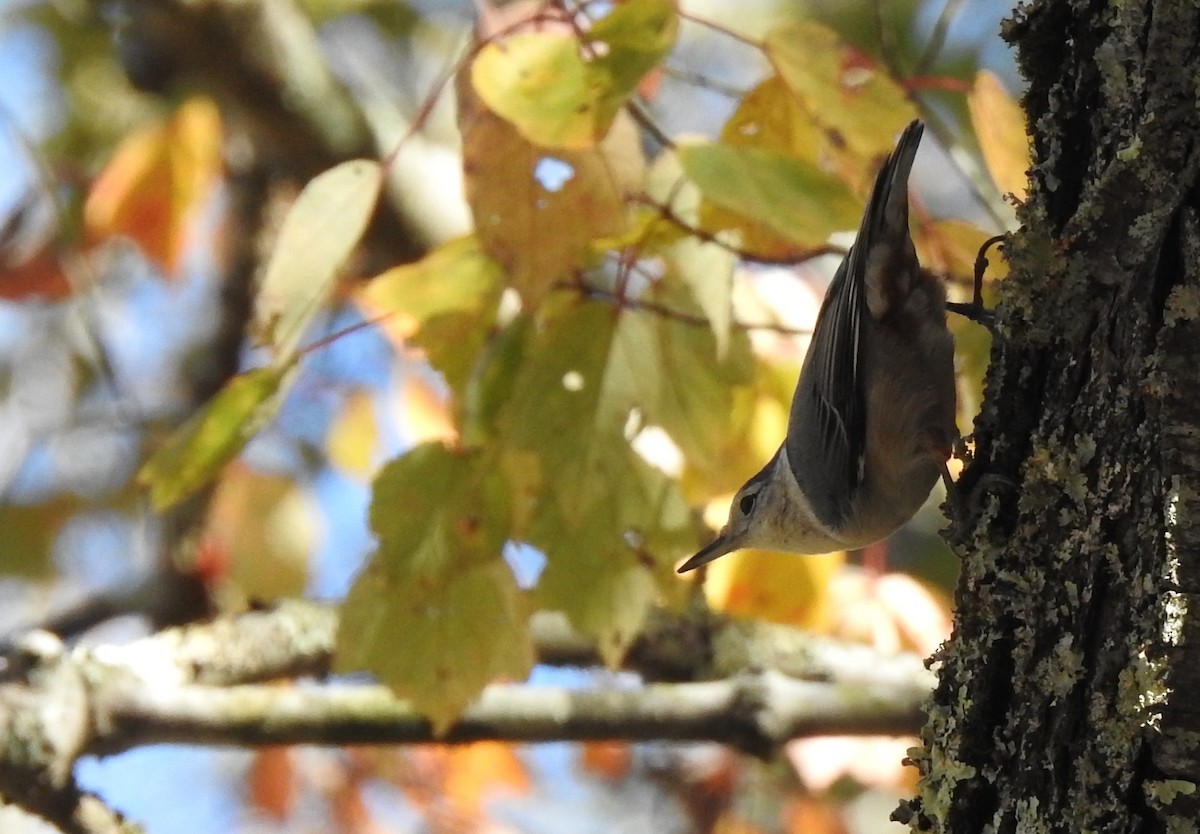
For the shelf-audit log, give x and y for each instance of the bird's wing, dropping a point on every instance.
(827, 425)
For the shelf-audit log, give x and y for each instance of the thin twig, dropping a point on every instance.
(595, 293)
(937, 38)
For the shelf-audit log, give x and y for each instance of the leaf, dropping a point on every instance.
(707, 270)
(477, 773)
(271, 783)
(445, 303)
(40, 276)
(537, 211)
(437, 614)
(154, 186)
(269, 529)
(423, 413)
(320, 230)
(791, 197)
(999, 125)
(770, 118)
(604, 570)
(30, 532)
(840, 87)
(559, 93)
(539, 83)
(776, 587)
(352, 441)
(199, 449)
(583, 377)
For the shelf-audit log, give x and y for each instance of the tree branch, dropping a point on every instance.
(756, 712)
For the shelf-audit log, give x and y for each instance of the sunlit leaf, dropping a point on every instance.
(776, 587)
(771, 118)
(560, 93)
(842, 89)
(789, 196)
(537, 211)
(320, 230)
(590, 369)
(444, 303)
(40, 275)
(606, 567)
(352, 441)
(478, 773)
(424, 413)
(999, 125)
(199, 449)
(437, 615)
(271, 782)
(156, 182)
(270, 530)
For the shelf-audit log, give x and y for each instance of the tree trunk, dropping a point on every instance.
(1064, 701)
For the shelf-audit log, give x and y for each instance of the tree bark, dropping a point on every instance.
(1063, 701)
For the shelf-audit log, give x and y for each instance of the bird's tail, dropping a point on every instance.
(889, 265)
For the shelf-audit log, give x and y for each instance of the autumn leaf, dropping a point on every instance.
(269, 528)
(775, 587)
(444, 303)
(321, 229)
(791, 197)
(155, 184)
(999, 125)
(562, 93)
(437, 614)
(199, 449)
(844, 92)
(537, 210)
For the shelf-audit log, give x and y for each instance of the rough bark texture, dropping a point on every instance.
(1065, 700)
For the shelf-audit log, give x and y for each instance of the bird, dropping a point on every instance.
(872, 419)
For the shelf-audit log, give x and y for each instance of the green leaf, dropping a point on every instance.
(594, 367)
(321, 229)
(707, 269)
(30, 531)
(792, 197)
(840, 87)
(445, 303)
(561, 94)
(437, 614)
(606, 571)
(199, 449)
(539, 82)
(439, 641)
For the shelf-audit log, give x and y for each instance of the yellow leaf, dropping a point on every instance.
(561, 93)
(353, 438)
(156, 182)
(536, 210)
(444, 303)
(269, 528)
(321, 229)
(999, 125)
(844, 92)
(778, 587)
(425, 413)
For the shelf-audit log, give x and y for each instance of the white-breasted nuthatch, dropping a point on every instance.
(872, 418)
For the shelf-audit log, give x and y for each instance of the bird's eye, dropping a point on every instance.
(746, 505)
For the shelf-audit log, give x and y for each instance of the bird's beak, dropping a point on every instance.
(722, 544)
